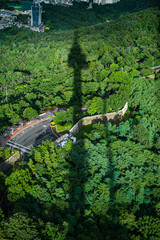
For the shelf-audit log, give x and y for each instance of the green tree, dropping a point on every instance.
(20, 183)
(30, 113)
(20, 226)
(149, 227)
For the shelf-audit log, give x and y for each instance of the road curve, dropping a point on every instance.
(33, 135)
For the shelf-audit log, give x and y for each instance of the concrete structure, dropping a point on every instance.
(113, 116)
(61, 141)
(36, 15)
(156, 68)
(25, 137)
(9, 162)
(15, 12)
(7, 18)
(17, 146)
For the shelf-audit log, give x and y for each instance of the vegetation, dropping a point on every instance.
(36, 70)
(107, 185)
(60, 18)
(104, 187)
(64, 127)
(5, 153)
(22, 18)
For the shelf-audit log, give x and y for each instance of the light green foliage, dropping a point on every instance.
(58, 100)
(53, 232)
(20, 183)
(128, 219)
(29, 113)
(20, 226)
(148, 226)
(5, 153)
(60, 117)
(134, 73)
(68, 146)
(119, 77)
(97, 106)
(64, 116)
(114, 67)
(64, 127)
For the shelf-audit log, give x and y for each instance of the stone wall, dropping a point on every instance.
(150, 76)
(156, 68)
(10, 161)
(102, 118)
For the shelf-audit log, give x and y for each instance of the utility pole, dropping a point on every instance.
(6, 96)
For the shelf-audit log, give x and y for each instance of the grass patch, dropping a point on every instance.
(65, 127)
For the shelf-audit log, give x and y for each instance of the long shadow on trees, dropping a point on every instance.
(78, 171)
(75, 203)
(86, 221)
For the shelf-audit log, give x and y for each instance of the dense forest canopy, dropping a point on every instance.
(37, 75)
(107, 186)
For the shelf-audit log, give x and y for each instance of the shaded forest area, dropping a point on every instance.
(107, 186)
(60, 18)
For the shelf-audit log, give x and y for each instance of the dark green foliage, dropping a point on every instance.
(22, 18)
(60, 18)
(107, 185)
(112, 181)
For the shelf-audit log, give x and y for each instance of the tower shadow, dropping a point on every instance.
(78, 171)
(81, 224)
(77, 61)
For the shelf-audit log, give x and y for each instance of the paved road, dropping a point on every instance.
(35, 134)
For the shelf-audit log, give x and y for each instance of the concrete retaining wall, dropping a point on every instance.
(102, 118)
(10, 161)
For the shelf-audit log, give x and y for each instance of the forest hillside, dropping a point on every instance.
(36, 71)
(105, 187)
